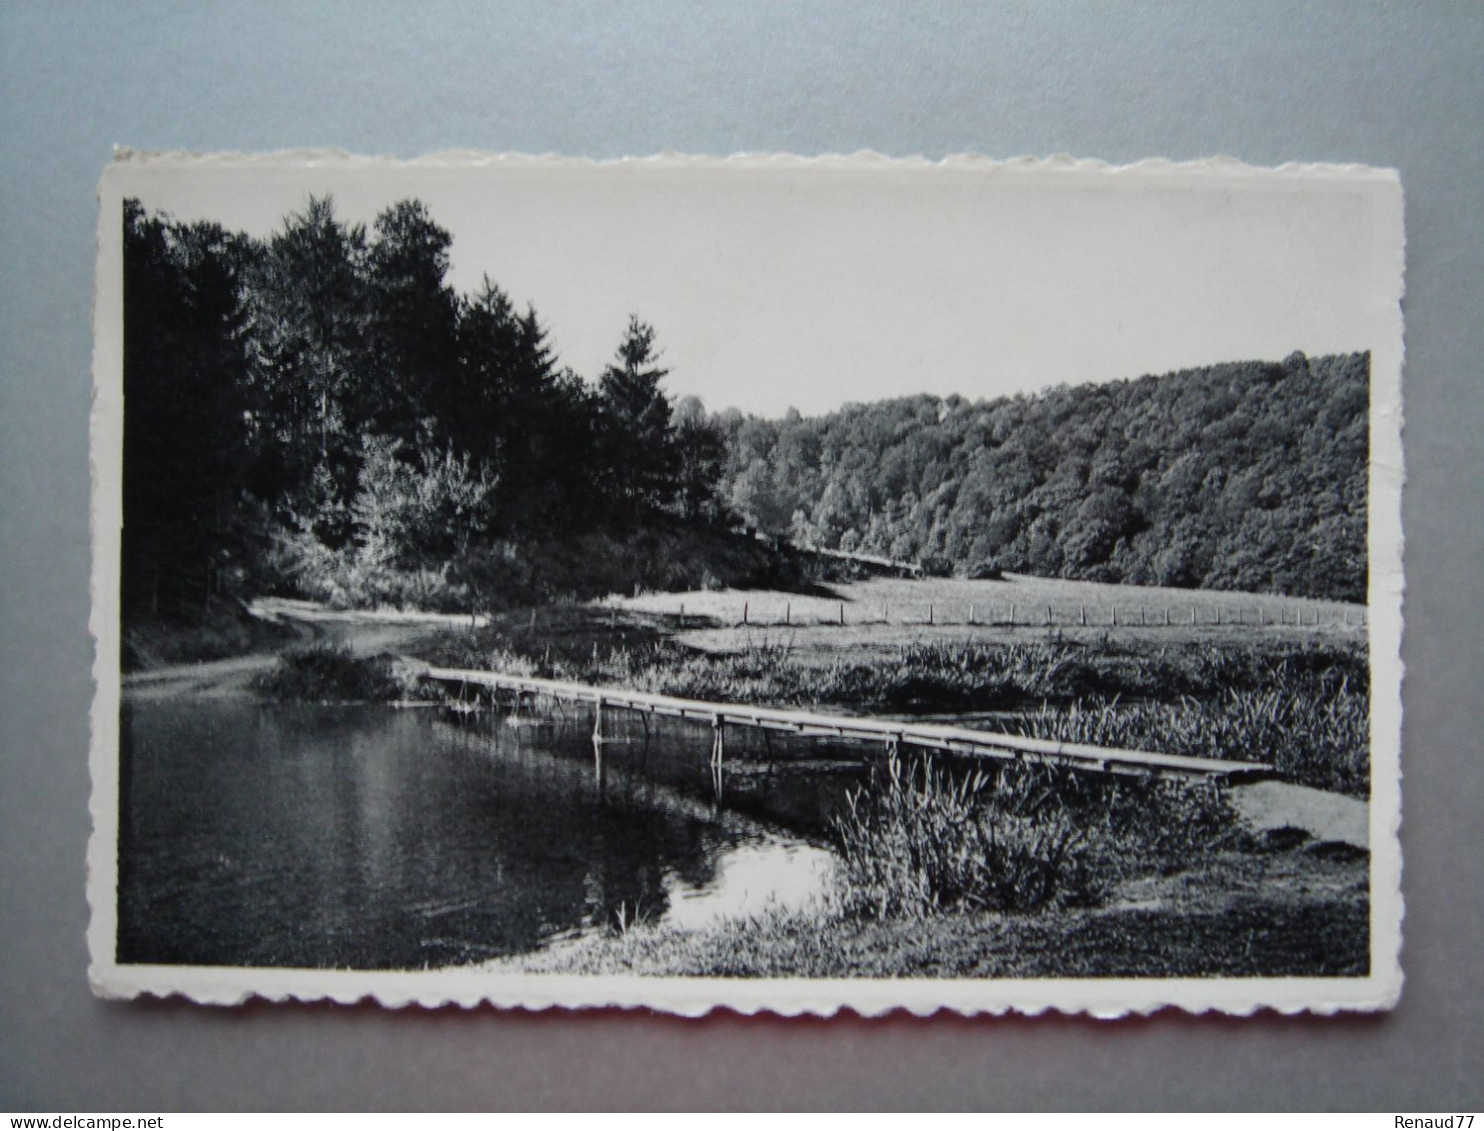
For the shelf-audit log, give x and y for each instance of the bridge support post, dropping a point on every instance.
(718, 742)
(717, 753)
(598, 726)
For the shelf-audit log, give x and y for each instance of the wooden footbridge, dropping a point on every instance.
(895, 734)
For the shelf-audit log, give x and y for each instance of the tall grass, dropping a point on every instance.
(919, 840)
(1319, 741)
(923, 838)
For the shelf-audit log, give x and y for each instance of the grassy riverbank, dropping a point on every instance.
(1025, 872)
(1297, 912)
(330, 673)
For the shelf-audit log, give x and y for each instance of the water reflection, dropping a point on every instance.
(753, 879)
(371, 838)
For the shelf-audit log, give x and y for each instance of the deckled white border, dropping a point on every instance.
(694, 997)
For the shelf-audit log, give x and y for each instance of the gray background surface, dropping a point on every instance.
(1396, 84)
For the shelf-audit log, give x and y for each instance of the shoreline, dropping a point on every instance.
(1296, 869)
(1290, 913)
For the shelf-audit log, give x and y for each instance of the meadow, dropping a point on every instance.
(878, 611)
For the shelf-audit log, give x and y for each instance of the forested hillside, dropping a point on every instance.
(1244, 476)
(318, 412)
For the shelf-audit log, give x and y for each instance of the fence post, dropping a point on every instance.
(971, 614)
(930, 612)
(744, 612)
(1048, 616)
(1082, 612)
(788, 613)
(842, 614)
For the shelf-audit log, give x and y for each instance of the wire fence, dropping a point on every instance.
(846, 614)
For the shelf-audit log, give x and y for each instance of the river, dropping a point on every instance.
(366, 837)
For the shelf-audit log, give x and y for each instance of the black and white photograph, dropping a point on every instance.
(765, 582)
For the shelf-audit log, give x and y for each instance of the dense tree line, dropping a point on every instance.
(1247, 476)
(318, 411)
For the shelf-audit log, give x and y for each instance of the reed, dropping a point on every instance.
(925, 837)
(919, 840)
(627, 918)
(1322, 741)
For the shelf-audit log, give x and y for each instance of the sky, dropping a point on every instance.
(778, 284)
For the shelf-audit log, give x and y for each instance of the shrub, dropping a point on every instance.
(1138, 824)
(936, 565)
(329, 672)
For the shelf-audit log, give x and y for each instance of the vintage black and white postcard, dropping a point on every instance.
(767, 583)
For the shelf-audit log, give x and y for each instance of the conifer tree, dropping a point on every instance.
(637, 416)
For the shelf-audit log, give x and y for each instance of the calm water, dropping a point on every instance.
(373, 838)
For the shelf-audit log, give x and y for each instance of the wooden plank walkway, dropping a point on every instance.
(961, 741)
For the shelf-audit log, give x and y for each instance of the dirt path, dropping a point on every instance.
(1326, 817)
(364, 632)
